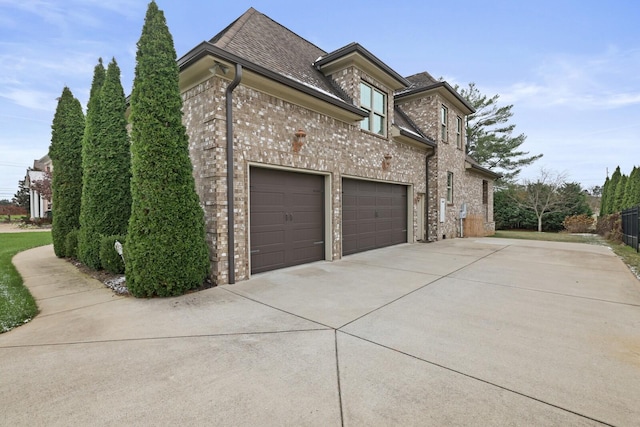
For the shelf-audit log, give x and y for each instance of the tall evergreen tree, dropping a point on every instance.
(22, 197)
(90, 162)
(106, 195)
(604, 197)
(165, 251)
(490, 138)
(611, 191)
(618, 198)
(66, 155)
(632, 189)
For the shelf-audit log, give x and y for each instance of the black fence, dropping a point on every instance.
(630, 227)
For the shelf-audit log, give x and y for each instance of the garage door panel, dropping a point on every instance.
(266, 238)
(379, 217)
(287, 218)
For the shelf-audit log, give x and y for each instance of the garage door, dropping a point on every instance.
(287, 219)
(374, 215)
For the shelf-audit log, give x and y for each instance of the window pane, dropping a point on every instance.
(365, 96)
(378, 102)
(364, 124)
(378, 124)
(443, 118)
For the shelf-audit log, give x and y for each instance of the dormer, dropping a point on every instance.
(368, 81)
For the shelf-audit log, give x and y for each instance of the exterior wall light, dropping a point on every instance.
(386, 162)
(298, 140)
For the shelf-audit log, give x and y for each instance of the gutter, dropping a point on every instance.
(230, 166)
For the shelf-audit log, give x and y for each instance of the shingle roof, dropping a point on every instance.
(262, 41)
(422, 79)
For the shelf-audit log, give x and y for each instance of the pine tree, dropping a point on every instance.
(106, 196)
(90, 163)
(490, 138)
(165, 251)
(66, 155)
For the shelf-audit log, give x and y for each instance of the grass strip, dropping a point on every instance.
(17, 306)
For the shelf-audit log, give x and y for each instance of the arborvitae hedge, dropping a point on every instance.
(90, 162)
(106, 197)
(66, 155)
(165, 252)
(609, 207)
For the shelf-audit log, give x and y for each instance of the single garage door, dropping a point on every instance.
(374, 215)
(287, 218)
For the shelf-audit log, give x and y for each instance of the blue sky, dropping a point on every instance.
(570, 67)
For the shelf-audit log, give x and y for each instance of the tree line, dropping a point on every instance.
(620, 192)
(108, 186)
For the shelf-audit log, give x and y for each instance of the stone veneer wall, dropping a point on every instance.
(263, 131)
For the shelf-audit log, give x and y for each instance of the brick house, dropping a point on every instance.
(321, 154)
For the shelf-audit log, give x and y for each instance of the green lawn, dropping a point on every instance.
(550, 237)
(16, 303)
(626, 253)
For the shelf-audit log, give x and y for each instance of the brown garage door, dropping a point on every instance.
(374, 215)
(287, 219)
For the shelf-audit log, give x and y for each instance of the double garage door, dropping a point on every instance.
(287, 217)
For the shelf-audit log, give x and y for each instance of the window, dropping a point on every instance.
(459, 133)
(449, 187)
(373, 102)
(485, 192)
(485, 199)
(444, 112)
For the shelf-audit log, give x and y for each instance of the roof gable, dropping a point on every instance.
(260, 40)
(355, 54)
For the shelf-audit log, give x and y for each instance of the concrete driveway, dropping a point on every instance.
(459, 332)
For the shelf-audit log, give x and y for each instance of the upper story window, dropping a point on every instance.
(449, 187)
(373, 102)
(459, 133)
(444, 113)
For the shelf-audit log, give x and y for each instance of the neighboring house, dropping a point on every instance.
(39, 205)
(327, 153)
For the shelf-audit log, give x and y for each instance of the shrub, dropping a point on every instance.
(578, 224)
(71, 244)
(610, 227)
(109, 257)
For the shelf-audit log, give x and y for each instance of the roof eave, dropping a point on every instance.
(335, 58)
(205, 49)
(412, 138)
(438, 86)
(483, 171)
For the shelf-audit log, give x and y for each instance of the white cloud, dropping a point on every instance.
(608, 80)
(32, 99)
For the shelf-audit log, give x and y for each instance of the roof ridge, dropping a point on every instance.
(225, 36)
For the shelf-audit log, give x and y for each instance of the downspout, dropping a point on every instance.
(426, 194)
(230, 166)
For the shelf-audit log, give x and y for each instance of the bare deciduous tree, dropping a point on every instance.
(542, 195)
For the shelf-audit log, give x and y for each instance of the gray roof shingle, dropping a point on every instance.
(262, 41)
